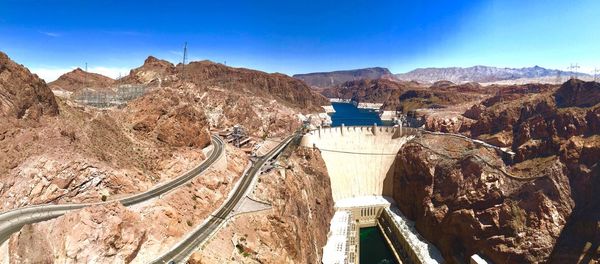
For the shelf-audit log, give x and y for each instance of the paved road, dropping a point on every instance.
(12, 221)
(182, 250)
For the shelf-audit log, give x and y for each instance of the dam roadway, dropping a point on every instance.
(12, 221)
(182, 250)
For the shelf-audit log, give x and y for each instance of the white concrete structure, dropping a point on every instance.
(387, 115)
(340, 248)
(359, 159)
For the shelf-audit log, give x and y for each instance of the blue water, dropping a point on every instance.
(350, 115)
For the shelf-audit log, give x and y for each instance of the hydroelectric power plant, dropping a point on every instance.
(360, 162)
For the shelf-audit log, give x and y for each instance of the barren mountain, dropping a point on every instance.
(537, 206)
(78, 79)
(23, 95)
(335, 78)
(70, 153)
(479, 74)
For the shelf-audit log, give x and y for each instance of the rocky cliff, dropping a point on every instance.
(78, 79)
(547, 127)
(466, 200)
(294, 230)
(23, 95)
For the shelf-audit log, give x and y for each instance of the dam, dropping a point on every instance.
(360, 161)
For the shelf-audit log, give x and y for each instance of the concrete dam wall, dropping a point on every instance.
(359, 159)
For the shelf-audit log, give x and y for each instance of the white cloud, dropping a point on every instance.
(51, 34)
(51, 74)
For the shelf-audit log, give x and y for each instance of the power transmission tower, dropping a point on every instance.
(574, 70)
(184, 60)
(558, 77)
(85, 76)
(596, 71)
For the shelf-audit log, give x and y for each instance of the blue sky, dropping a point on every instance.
(52, 37)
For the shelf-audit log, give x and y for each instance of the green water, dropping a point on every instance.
(373, 248)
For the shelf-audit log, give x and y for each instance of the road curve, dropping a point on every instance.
(183, 249)
(12, 221)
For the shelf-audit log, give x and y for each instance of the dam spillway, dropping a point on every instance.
(359, 159)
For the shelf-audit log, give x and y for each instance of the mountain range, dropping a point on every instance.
(480, 74)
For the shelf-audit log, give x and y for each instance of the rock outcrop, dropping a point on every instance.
(97, 234)
(293, 231)
(23, 95)
(78, 79)
(153, 72)
(466, 200)
(546, 127)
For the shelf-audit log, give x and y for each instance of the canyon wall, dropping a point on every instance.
(293, 230)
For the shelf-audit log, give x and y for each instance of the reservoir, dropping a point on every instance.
(350, 115)
(373, 247)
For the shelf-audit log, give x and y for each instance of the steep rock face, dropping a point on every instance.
(466, 201)
(171, 118)
(95, 234)
(78, 79)
(335, 78)
(541, 122)
(23, 94)
(293, 231)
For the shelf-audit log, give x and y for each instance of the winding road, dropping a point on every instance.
(184, 249)
(12, 221)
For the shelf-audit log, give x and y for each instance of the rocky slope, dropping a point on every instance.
(548, 128)
(466, 200)
(110, 233)
(294, 230)
(70, 153)
(78, 79)
(336, 78)
(23, 95)
(479, 74)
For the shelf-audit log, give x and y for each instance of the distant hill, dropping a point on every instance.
(481, 74)
(77, 79)
(334, 78)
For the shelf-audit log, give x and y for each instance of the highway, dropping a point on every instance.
(12, 221)
(183, 249)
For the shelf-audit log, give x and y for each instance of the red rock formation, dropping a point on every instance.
(543, 123)
(22, 94)
(170, 118)
(466, 201)
(97, 234)
(152, 72)
(293, 231)
(78, 79)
